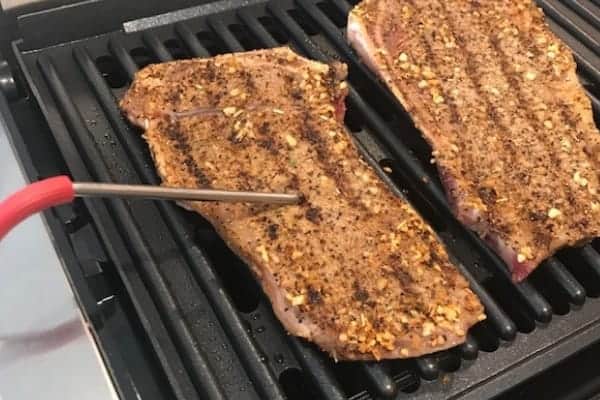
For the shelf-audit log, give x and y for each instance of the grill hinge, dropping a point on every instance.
(7, 81)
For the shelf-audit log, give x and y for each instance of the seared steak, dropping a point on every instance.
(353, 268)
(496, 95)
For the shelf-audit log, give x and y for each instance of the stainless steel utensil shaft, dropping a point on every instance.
(91, 189)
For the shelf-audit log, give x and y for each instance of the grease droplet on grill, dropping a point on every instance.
(260, 329)
(279, 358)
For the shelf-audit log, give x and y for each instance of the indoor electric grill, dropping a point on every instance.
(174, 313)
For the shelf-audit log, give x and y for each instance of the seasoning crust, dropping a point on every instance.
(496, 94)
(353, 267)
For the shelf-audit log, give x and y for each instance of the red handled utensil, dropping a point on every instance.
(59, 190)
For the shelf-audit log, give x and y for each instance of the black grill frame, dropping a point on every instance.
(169, 277)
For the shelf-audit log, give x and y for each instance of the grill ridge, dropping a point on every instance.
(487, 274)
(201, 374)
(573, 21)
(262, 377)
(342, 5)
(586, 11)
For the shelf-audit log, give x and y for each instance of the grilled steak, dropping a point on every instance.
(353, 268)
(496, 95)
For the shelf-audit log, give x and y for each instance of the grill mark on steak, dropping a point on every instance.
(272, 231)
(308, 133)
(569, 118)
(313, 214)
(314, 296)
(249, 81)
(182, 143)
(268, 144)
(359, 294)
(332, 170)
(488, 195)
(454, 114)
(264, 128)
(210, 70)
(516, 90)
(173, 132)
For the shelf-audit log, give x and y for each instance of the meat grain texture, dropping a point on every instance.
(353, 268)
(496, 95)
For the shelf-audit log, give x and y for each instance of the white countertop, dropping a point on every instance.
(8, 4)
(46, 351)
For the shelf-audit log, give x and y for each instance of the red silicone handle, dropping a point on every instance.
(34, 198)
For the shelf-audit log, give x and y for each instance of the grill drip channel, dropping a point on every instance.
(210, 328)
